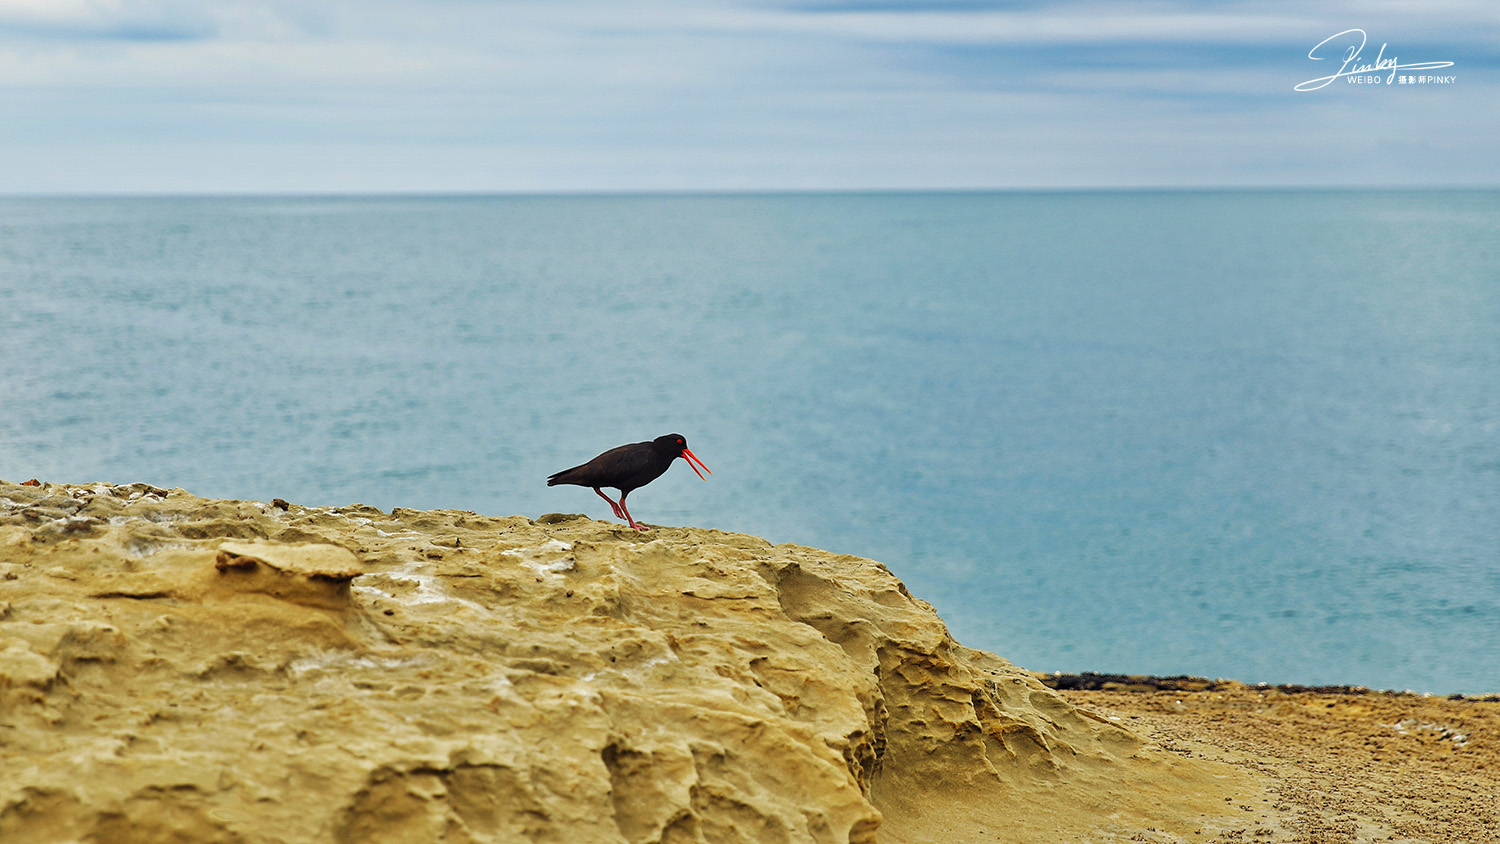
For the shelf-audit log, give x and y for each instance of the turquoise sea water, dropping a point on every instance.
(1242, 434)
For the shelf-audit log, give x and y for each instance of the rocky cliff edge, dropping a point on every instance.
(179, 669)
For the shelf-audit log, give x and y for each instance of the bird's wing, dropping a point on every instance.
(626, 459)
(619, 462)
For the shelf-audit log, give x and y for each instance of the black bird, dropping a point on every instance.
(628, 467)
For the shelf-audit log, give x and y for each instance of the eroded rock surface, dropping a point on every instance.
(177, 669)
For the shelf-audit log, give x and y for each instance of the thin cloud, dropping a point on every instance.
(100, 20)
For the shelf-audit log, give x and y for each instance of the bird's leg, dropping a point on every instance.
(627, 513)
(612, 505)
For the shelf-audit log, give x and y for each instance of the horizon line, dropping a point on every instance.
(602, 193)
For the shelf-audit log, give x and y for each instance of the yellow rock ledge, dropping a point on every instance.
(178, 669)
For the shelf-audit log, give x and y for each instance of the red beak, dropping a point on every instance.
(692, 460)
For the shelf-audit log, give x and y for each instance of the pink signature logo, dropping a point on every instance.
(1351, 44)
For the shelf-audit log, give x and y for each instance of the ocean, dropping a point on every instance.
(1246, 434)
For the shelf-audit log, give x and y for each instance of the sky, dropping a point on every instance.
(396, 96)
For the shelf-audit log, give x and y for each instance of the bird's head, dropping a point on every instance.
(676, 445)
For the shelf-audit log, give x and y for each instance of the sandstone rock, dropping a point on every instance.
(459, 678)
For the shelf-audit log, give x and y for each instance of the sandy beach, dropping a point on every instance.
(174, 668)
(1345, 764)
